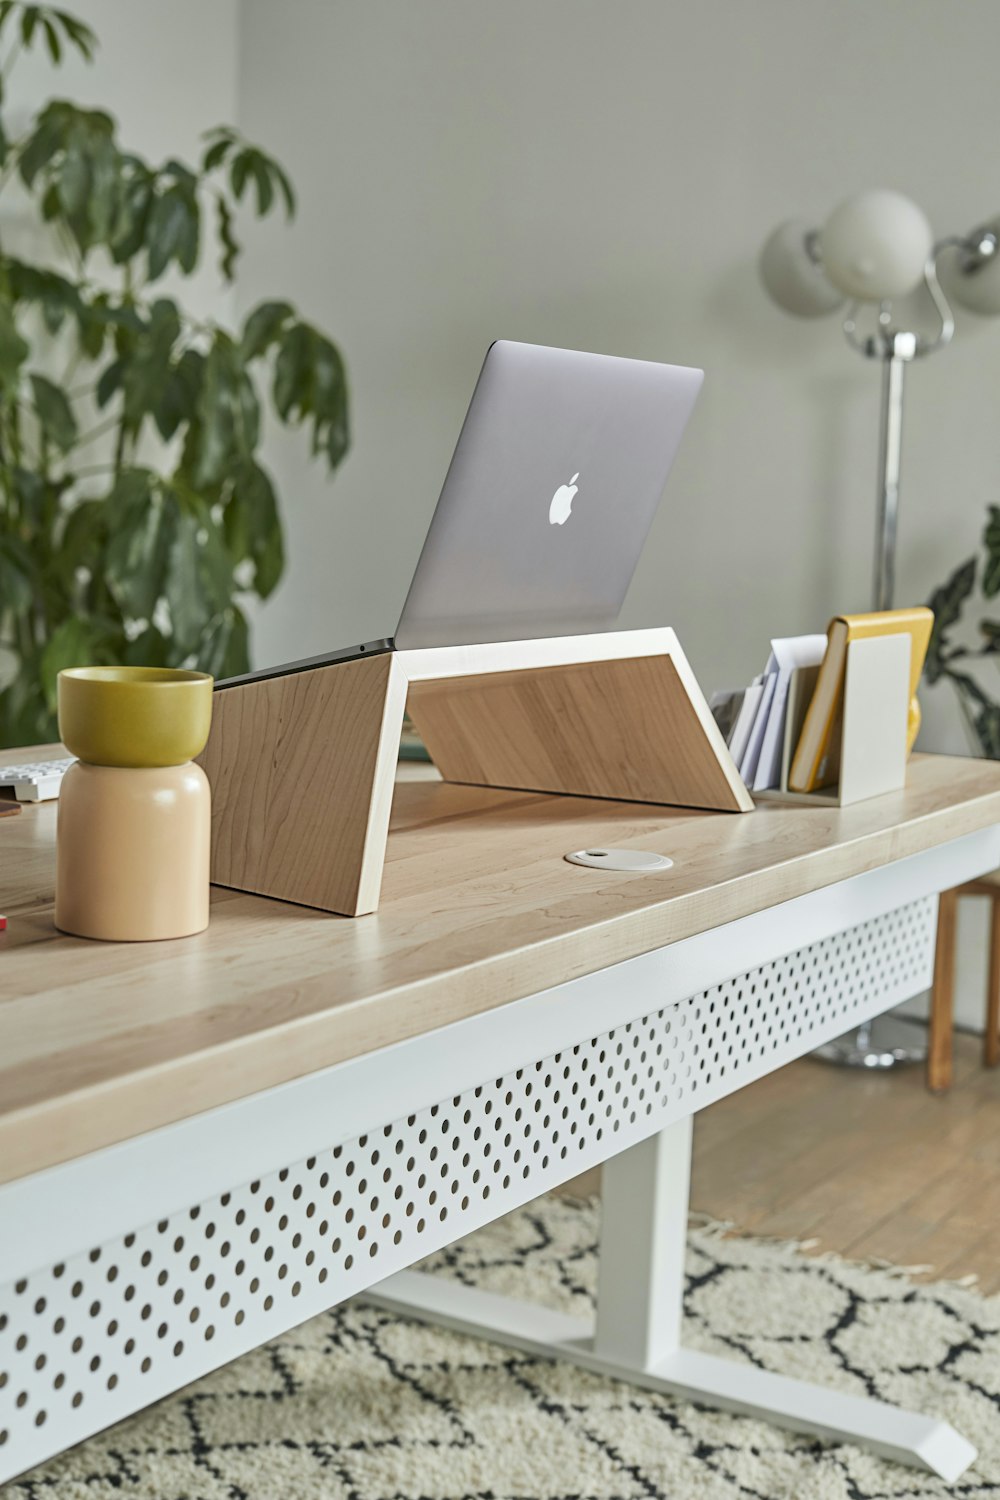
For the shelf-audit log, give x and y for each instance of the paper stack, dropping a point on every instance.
(762, 722)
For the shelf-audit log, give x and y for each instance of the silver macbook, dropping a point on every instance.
(547, 503)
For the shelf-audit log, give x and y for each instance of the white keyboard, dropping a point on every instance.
(37, 782)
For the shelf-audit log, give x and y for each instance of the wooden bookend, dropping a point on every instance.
(302, 770)
(302, 766)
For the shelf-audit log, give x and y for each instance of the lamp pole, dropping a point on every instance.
(890, 1040)
(900, 349)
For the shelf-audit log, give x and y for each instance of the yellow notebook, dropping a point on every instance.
(817, 757)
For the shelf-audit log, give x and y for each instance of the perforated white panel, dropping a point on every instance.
(86, 1342)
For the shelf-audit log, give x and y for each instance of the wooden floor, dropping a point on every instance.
(868, 1165)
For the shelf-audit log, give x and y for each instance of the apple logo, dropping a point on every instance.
(562, 502)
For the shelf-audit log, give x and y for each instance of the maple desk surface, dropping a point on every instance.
(100, 1042)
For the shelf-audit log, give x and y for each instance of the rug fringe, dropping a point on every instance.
(726, 1229)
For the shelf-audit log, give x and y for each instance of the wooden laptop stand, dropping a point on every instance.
(302, 767)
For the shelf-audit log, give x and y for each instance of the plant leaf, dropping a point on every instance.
(293, 373)
(93, 324)
(13, 351)
(42, 144)
(287, 191)
(54, 294)
(131, 220)
(199, 576)
(83, 536)
(179, 395)
(140, 526)
(252, 527)
(946, 605)
(309, 381)
(239, 173)
(228, 414)
(263, 328)
(225, 650)
(262, 179)
(172, 231)
(25, 718)
(74, 181)
(74, 152)
(986, 723)
(30, 17)
(216, 153)
(149, 649)
(188, 614)
(54, 413)
(991, 543)
(147, 362)
(947, 601)
(77, 642)
(230, 244)
(110, 381)
(77, 33)
(32, 494)
(52, 40)
(16, 591)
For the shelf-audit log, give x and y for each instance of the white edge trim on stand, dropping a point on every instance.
(434, 663)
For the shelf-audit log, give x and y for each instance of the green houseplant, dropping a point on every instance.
(949, 658)
(135, 514)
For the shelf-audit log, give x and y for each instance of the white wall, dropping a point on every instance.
(602, 175)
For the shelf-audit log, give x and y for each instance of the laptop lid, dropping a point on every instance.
(549, 497)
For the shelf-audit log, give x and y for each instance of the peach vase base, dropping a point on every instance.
(132, 856)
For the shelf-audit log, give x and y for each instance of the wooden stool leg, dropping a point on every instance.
(991, 1042)
(943, 995)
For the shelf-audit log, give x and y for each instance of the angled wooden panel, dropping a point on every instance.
(301, 769)
(634, 729)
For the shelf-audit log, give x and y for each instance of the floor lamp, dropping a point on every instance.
(874, 249)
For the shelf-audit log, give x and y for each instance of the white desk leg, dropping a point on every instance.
(636, 1334)
(640, 1279)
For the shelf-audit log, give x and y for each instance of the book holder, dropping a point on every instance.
(873, 730)
(302, 766)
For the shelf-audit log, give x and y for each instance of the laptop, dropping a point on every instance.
(546, 505)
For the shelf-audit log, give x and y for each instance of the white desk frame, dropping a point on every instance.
(201, 1240)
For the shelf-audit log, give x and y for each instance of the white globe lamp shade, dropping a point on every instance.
(971, 280)
(792, 278)
(876, 245)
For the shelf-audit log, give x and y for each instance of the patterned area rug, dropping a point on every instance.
(360, 1405)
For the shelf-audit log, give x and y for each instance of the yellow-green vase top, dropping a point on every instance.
(134, 716)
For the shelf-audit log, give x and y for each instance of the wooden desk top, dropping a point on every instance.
(99, 1042)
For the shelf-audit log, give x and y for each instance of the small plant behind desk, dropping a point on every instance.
(977, 579)
(136, 517)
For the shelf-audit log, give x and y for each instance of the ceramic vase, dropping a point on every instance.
(134, 823)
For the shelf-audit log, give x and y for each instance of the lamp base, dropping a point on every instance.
(887, 1042)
